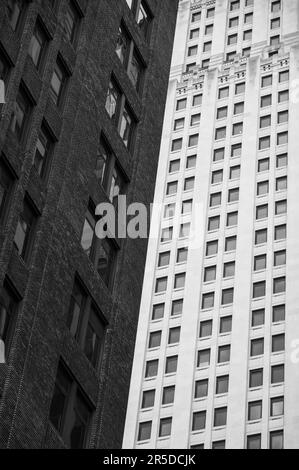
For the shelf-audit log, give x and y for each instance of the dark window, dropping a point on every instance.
(240, 88)
(145, 430)
(203, 358)
(21, 115)
(236, 150)
(278, 313)
(276, 440)
(70, 412)
(168, 395)
(207, 300)
(226, 325)
(199, 421)
(123, 45)
(278, 343)
(165, 427)
(38, 45)
(259, 289)
(279, 285)
(182, 255)
(227, 296)
(229, 269)
(177, 307)
(113, 100)
(158, 312)
(201, 388)
(257, 347)
(223, 93)
(151, 368)
(220, 416)
(210, 274)
(230, 243)
(277, 374)
(93, 342)
(127, 126)
(222, 384)
(171, 365)
(25, 229)
(71, 22)
(218, 154)
(6, 184)
(218, 445)
(256, 378)
(277, 406)
(223, 354)
(174, 335)
(280, 232)
(181, 104)
(135, 70)
(4, 67)
(255, 410)
(43, 151)
(260, 262)
(58, 83)
(254, 441)
(8, 310)
(258, 317)
(214, 223)
(144, 18)
(206, 328)
(261, 236)
(148, 399)
(154, 339)
(14, 10)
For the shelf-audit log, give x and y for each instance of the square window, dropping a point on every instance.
(236, 150)
(217, 177)
(201, 388)
(164, 259)
(264, 142)
(218, 154)
(240, 88)
(195, 16)
(207, 46)
(283, 96)
(213, 223)
(284, 76)
(267, 81)
(278, 343)
(280, 207)
(229, 269)
(261, 236)
(274, 40)
(282, 160)
(148, 399)
(262, 212)
(280, 232)
(182, 255)
(176, 145)
(254, 441)
(191, 162)
(187, 206)
(222, 112)
(277, 406)
(232, 39)
(195, 119)
(171, 365)
(154, 339)
(181, 104)
(263, 165)
(209, 29)
(266, 101)
(172, 188)
(215, 200)
(247, 35)
(248, 18)
(234, 5)
(275, 23)
(258, 317)
(144, 432)
(205, 329)
(265, 121)
(282, 138)
(207, 300)
(203, 358)
(280, 258)
(238, 128)
(278, 313)
(223, 93)
(151, 368)
(210, 274)
(233, 195)
(192, 51)
(255, 410)
(174, 335)
(220, 133)
(259, 289)
(193, 140)
(239, 108)
(230, 56)
(168, 395)
(262, 188)
(166, 234)
(256, 378)
(282, 117)
(199, 421)
(232, 219)
(161, 285)
(260, 262)
(275, 6)
(227, 296)
(234, 22)
(197, 100)
(174, 166)
(223, 354)
(177, 307)
(194, 33)
(234, 172)
(189, 184)
(179, 124)
(212, 248)
(179, 281)
(184, 230)
(210, 12)
(158, 312)
(257, 347)
(222, 384)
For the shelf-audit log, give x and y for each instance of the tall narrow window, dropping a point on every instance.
(71, 22)
(25, 229)
(14, 10)
(127, 125)
(43, 150)
(135, 70)
(8, 310)
(21, 115)
(113, 100)
(58, 83)
(6, 185)
(38, 45)
(144, 18)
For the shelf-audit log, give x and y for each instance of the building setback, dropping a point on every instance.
(86, 83)
(216, 359)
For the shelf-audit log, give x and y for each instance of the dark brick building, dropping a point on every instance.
(69, 301)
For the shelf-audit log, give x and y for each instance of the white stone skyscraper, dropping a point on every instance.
(216, 360)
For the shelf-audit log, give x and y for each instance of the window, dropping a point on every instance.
(195, 16)
(259, 289)
(282, 117)
(220, 416)
(181, 104)
(213, 223)
(182, 255)
(280, 232)
(284, 76)
(191, 162)
(223, 93)
(247, 35)
(43, 150)
(236, 150)
(6, 185)
(280, 258)
(144, 19)
(176, 145)
(234, 5)
(177, 307)
(226, 325)
(255, 410)
(277, 374)
(207, 46)
(58, 84)
(249, 3)
(207, 300)
(197, 100)
(21, 115)
(261, 236)
(108, 172)
(209, 29)
(263, 165)
(4, 67)
(158, 312)
(218, 154)
(25, 229)
(232, 219)
(246, 51)
(174, 166)
(238, 128)
(210, 274)
(275, 23)
(262, 212)
(122, 45)
(265, 121)
(206, 328)
(194, 33)
(254, 441)
(222, 384)
(227, 296)
(192, 51)
(275, 6)
(276, 440)
(14, 10)
(210, 12)
(174, 335)
(203, 358)
(184, 230)
(212, 248)
(282, 138)
(220, 133)
(86, 325)
(127, 126)
(229, 269)
(257, 347)
(70, 412)
(151, 368)
(8, 310)
(262, 188)
(172, 188)
(279, 285)
(190, 67)
(278, 313)
(218, 445)
(230, 56)
(266, 101)
(215, 200)
(230, 243)
(145, 430)
(38, 45)
(266, 81)
(199, 421)
(195, 119)
(189, 184)
(258, 317)
(217, 177)
(135, 70)
(71, 22)
(179, 281)
(239, 108)
(171, 365)
(168, 395)
(278, 343)
(234, 22)
(240, 88)
(161, 285)
(277, 406)
(154, 339)
(222, 112)
(148, 399)
(223, 354)
(283, 96)
(179, 124)
(232, 39)
(264, 142)
(193, 140)
(256, 378)
(201, 388)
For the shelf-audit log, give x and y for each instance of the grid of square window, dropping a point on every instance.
(239, 29)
